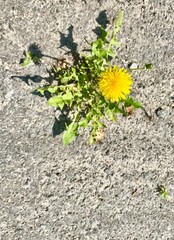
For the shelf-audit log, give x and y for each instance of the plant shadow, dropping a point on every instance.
(103, 21)
(70, 47)
(67, 41)
(35, 78)
(36, 54)
(60, 122)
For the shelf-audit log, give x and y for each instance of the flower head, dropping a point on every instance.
(115, 83)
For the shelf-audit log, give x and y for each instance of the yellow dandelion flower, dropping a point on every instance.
(115, 83)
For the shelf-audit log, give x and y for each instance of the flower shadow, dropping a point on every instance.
(67, 42)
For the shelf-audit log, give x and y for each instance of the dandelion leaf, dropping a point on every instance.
(70, 133)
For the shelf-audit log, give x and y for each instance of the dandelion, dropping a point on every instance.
(115, 83)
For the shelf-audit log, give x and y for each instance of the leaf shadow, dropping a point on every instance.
(67, 41)
(60, 122)
(35, 78)
(103, 21)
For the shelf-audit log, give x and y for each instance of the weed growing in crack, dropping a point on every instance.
(91, 88)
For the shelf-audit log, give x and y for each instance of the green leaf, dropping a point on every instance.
(41, 90)
(25, 62)
(130, 102)
(89, 116)
(111, 115)
(111, 53)
(74, 73)
(27, 59)
(97, 44)
(83, 123)
(65, 79)
(137, 104)
(70, 134)
(67, 96)
(56, 101)
(114, 42)
(97, 47)
(118, 23)
(104, 34)
(52, 89)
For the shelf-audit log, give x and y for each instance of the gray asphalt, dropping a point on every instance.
(86, 192)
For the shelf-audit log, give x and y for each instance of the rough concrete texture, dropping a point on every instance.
(104, 191)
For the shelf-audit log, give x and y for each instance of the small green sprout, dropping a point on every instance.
(29, 58)
(162, 191)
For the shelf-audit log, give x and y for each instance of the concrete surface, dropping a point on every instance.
(104, 191)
